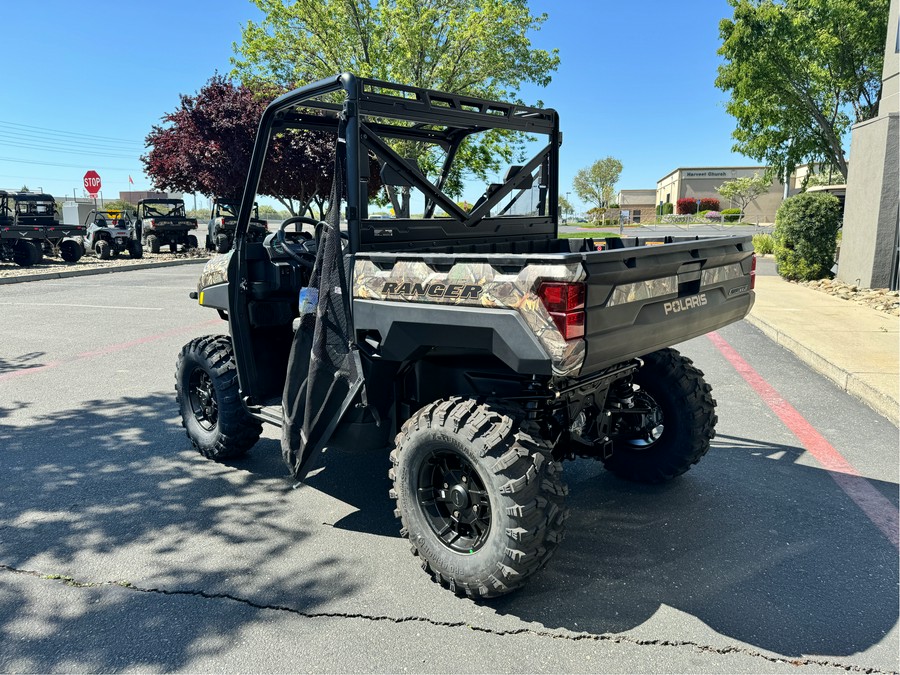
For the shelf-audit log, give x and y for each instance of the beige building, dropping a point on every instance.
(636, 206)
(699, 182)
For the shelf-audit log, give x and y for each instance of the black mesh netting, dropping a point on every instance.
(324, 371)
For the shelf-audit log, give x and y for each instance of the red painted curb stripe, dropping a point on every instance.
(875, 505)
(109, 349)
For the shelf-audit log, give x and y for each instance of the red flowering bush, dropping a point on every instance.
(686, 205)
(709, 204)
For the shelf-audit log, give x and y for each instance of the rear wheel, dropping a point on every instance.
(223, 243)
(102, 249)
(70, 250)
(153, 243)
(674, 426)
(135, 250)
(206, 390)
(192, 242)
(26, 253)
(478, 494)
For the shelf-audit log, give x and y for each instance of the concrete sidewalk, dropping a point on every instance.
(852, 345)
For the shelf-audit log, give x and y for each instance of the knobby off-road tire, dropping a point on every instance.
(135, 250)
(70, 251)
(101, 248)
(488, 464)
(206, 390)
(191, 243)
(26, 253)
(153, 243)
(688, 416)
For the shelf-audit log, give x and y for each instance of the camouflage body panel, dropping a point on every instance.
(478, 284)
(717, 275)
(658, 288)
(215, 271)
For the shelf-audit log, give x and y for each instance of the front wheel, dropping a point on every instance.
(26, 253)
(102, 249)
(671, 424)
(70, 250)
(153, 243)
(223, 243)
(479, 495)
(206, 390)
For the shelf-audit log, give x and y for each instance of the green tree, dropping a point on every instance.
(596, 184)
(744, 190)
(565, 207)
(118, 205)
(800, 73)
(475, 47)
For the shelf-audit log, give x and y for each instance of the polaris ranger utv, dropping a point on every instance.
(484, 346)
(163, 221)
(110, 233)
(222, 221)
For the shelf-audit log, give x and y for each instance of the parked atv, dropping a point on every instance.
(110, 233)
(222, 221)
(162, 222)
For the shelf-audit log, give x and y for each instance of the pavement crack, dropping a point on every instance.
(568, 636)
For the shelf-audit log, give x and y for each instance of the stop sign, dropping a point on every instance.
(92, 182)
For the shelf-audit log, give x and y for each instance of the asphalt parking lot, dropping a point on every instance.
(121, 549)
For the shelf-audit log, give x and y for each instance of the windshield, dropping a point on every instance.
(230, 210)
(35, 208)
(112, 218)
(163, 209)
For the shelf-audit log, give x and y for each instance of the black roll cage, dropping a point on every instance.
(437, 118)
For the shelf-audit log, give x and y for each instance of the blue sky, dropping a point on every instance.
(635, 81)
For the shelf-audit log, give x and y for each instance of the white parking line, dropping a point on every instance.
(69, 304)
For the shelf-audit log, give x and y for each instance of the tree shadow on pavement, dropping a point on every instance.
(111, 491)
(781, 559)
(23, 362)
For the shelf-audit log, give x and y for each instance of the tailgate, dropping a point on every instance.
(645, 298)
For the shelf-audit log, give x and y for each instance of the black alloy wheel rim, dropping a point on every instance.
(203, 399)
(454, 501)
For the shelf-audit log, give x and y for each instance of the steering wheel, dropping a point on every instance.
(281, 237)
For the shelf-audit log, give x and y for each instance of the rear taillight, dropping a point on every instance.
(565, 303)
(753, 273)
(152, 222)
(220, 221)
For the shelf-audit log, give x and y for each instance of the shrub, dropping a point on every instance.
(668, 209)
(763, 244)
(709, 204)
(806, 228)
(713, 216)
(686, 205)
(731, 215)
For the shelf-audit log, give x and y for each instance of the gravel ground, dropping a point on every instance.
(880, 299)
(91, 262)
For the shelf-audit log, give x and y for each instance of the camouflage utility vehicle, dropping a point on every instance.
(110, 233)
(162, 222)
(222, 221)
(30, 228)
(475, 344)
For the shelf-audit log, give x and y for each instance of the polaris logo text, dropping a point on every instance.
(452, 291)
(684, 304)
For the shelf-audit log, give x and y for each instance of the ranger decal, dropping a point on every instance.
(453, 291)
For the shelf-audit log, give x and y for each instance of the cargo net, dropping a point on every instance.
(324, 370)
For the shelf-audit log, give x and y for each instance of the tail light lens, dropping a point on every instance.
(753, 273)
(220, 221)
(152, 222)
(565, 303)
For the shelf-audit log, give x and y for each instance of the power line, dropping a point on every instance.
(68, 133)
(28, 137)
(45, 148)
(66, 166)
